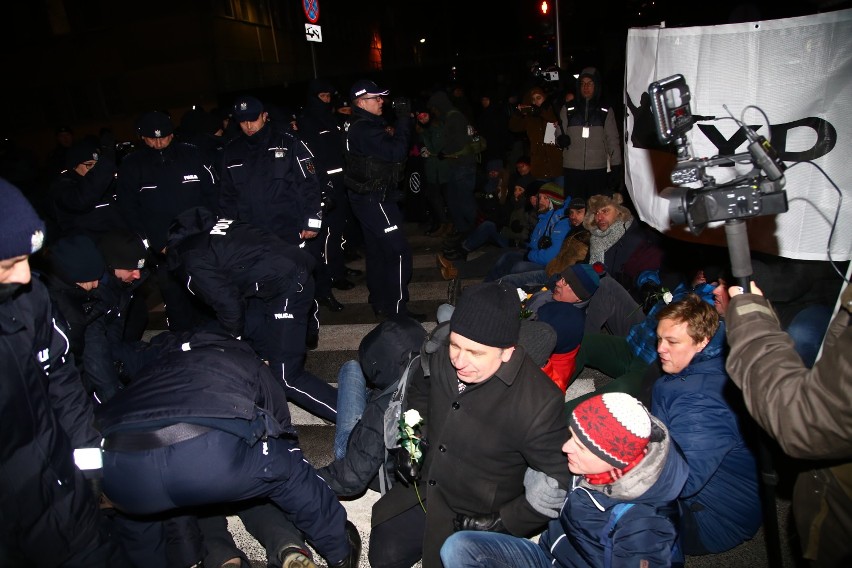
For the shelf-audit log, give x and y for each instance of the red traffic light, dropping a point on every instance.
(544, 7)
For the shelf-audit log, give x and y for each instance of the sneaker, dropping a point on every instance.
(293, 557)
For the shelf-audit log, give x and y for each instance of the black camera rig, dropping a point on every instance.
(758, 192)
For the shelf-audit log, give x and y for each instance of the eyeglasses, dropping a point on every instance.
(371, 98)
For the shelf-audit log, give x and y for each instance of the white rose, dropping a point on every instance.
(412, 417)
(667, 297)
(521, 294)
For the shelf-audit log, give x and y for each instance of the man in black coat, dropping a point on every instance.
(50, 515)
(261, 289)
(489, 414)
(206, 424)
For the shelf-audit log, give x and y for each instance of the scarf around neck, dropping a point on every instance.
(601, 241)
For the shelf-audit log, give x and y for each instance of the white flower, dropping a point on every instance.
(521, 294)
(412, 417)
(667, 297)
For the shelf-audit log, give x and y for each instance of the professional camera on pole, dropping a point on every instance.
(758, 192)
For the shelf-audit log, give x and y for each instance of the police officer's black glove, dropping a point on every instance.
(490, 522)
(563, 141)
(407, 470)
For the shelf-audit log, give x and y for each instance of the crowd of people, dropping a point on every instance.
(123, 452)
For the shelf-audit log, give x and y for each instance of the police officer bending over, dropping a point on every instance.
(375, 161)
(208, 424)
(261, 290)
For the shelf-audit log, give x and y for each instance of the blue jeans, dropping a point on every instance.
(475, 549)
(807, 331)
(482, 234)
(523, 279)
(351, 400)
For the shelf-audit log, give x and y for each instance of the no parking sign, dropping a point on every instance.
(311, 8)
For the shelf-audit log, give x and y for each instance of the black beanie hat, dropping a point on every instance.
(123, 250)
(77, 259)
(21, 229)
(488, 313)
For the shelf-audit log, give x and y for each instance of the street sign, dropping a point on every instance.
(311, 8)
(313, 33)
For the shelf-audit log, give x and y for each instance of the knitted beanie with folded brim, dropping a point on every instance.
(597, 202)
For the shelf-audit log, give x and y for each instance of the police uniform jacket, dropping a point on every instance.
(155, 185)
(210, 380)
(319, 129)
(86, 204)
(227, 261)
(385, 147)
(46, 507)
(481, 442)
(269, 180)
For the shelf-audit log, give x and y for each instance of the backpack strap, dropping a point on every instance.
(607, 532)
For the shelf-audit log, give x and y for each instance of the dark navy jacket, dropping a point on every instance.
(226, 261)
(47, 510)
(703, 411)
(211, 379)
(269, 180)
(645, 532)
(154, 186)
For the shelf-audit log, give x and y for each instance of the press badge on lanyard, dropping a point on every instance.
(585, 132)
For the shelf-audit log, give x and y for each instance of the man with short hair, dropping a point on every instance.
(490, 413)
(49, 446)
(720, 503)
(375, 162)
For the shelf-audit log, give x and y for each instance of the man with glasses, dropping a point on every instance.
(375, 162)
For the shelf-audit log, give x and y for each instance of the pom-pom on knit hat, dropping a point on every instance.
(21, 230)
(614, 426)
(488, 313)
(583, 279)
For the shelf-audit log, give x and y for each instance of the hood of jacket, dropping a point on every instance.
(593, 74)
(193, 221)
(440, 101)
(386, 350)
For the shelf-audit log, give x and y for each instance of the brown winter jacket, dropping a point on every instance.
(808, 411)
(545, 159)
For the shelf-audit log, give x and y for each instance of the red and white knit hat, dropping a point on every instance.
(614, 426)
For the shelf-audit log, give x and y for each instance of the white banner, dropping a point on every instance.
(798, 71)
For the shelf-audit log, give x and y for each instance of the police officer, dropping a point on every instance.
(375, 162)
(269, 179)
(50, 514)
(320, 129)
(261, 290)
(207, 424)
(155, 183)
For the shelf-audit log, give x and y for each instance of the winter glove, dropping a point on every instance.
(615, 178)
(407, 470)
(543, 493)
(490, 522)
(563, 141)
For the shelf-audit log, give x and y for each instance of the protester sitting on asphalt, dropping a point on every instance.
(261, 289)
(208, 423)
(624, 244)
(720, 503)
(473, 478)
(620, 510)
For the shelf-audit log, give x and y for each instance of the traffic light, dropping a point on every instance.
(544, 7)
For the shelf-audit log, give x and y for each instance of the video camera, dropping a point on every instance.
(759, 192)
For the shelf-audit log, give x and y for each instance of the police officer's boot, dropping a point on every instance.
(354, 557)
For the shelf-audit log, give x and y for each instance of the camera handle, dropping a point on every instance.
(740, 255)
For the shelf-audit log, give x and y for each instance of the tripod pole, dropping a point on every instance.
(740, 255)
